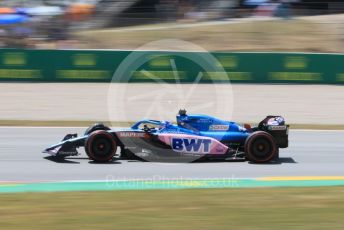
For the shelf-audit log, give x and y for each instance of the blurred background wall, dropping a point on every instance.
(237, 24)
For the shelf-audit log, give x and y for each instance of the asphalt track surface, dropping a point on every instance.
(311, 153)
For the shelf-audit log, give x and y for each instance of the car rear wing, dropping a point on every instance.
(276, 126)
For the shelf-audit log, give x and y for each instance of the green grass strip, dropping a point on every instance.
(303, 208)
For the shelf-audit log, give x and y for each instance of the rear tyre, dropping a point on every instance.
(260, 147)
(100, 146)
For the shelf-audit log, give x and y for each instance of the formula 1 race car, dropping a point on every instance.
(194, 137)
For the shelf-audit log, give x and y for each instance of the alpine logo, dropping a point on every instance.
(191, 145)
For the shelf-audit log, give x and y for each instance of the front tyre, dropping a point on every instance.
(100, 146)
(95, 127)
(260, 147)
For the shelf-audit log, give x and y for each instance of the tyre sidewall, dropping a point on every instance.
(250, 155)
(96, 127)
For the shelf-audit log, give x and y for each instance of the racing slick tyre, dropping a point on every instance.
(95, 127)
(260, 147)
(100, 146)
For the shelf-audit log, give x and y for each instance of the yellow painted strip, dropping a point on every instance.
(286, 178)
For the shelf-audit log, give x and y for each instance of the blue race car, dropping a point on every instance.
(194, 137)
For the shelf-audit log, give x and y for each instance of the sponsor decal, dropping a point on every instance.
(158, 75)
(87, 60)
(230, 62)
(203, 120)
(219, 127)
(191, 145)
(21, 73)
(67, 153)
(83, 74)
(277, 127)
(295, 76)
(144, 153)
(132, 134)
(14, 59)
(295, 62)
(178, 131)
(223, 76)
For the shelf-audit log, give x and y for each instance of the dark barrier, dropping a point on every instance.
(157, 66)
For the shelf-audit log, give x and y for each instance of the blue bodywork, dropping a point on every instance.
(200, 125)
